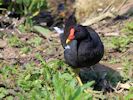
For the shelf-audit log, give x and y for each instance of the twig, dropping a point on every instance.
(125, 53)
(99, 18)
(104, 15)
(108, 7)
(123, 3)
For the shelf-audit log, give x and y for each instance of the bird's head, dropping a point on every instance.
(78, 32)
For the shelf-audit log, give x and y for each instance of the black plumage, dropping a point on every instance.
(85, 49)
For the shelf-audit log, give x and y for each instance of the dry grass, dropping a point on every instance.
(94, 7)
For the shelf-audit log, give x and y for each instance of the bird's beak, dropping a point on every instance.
(67, 41)
(71, 35)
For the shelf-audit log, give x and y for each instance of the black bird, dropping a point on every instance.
(82, 45)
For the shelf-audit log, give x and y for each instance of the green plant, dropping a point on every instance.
(48, 83)
(127, 68)
(121, 43)
(3, 92)
(36, 41)
(25, 50)
(29, 9)
(128, 27)
(36, 84)
(21, 28)
(15, 41)
(129, 96)
(66, 90)
(25, 8)
(114, 61)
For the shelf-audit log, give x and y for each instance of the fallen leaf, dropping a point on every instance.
(42, 31)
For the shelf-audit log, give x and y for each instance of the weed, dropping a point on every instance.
(21, 28)
(129, 96)
(3, 92)
(49, 81)
(25, 50)
(127, 68)
(128, 28)
(14, 41)
(121, 43)
(36, 41)
(24, 8)
(114, 61)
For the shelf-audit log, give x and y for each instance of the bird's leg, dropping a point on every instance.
(77, 76)
(79, 80)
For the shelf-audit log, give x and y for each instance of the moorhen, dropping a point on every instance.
(82, 45)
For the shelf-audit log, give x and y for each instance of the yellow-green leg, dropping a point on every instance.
(78, 78)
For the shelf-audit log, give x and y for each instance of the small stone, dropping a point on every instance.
(10, 53)
(2, 43)
(1, 56)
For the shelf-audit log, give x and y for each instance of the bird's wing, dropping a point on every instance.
(90, 51)
(94, 36)
(70, 54)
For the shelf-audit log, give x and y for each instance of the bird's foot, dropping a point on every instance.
(81, 84)
(79, 80)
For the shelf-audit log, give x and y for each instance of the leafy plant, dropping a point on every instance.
(36, 41)
(45, 32)
(121, 43)
(15, 41)
(128, 27)
(25, 50)
(48, 83)
(66, 90)
(129, 96)
(25, 8)
(127, 68)
(113, 61)
(30, 8)
(3, 92)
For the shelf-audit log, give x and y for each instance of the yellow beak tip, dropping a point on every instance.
(67, 41)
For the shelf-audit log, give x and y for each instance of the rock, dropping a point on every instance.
(10, 53)
(3, 43)
(1, 56)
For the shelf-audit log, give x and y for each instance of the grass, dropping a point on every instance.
(14, 41)
(23, 8)
(25, 50)
(49, 81)
(127, 68)
(130, 94)
(36, 41)
(121, 44)
(37, 79)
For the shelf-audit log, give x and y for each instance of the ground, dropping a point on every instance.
(113, 75)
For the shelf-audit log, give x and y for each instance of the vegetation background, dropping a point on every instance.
(31, 57)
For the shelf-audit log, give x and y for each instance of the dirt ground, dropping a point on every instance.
(107, 73)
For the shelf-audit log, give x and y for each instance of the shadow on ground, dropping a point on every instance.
(105, 77)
